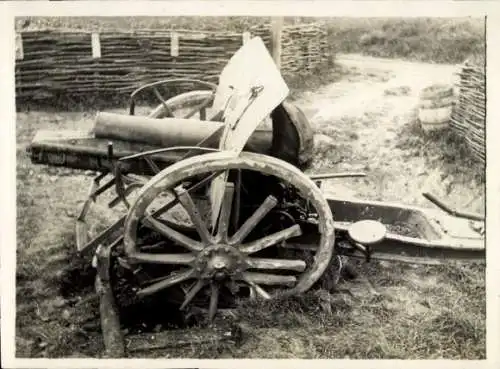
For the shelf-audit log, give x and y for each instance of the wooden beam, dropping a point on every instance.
(224, 333)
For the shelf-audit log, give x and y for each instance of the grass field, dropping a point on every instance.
(395, 311)
(436, 40)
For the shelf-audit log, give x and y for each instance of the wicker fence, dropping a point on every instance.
(51, 63)
(469, 114)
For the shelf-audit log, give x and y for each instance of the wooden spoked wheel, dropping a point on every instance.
(238, 251)
(193, 104)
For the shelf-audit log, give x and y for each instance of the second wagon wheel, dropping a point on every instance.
(235, 253)
(192, 104)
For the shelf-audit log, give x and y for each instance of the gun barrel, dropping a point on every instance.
(157, 132)
(169, 132)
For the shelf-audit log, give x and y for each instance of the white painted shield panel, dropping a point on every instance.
(251, 68)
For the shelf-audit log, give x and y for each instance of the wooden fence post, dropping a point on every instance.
(245, 37)
(19, 46)
(19, 56)
(276, 30)
(174, 44)
(96, 45)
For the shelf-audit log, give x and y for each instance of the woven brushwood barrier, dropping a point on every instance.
(75, 62)
(469, 114)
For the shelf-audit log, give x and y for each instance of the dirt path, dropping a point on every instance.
(392, 74)
(365, 115)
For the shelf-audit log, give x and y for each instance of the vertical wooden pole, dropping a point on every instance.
(245, 37)
(276, 30)
(174, 44)
(96, 45)
(19, 56)
(19, 46)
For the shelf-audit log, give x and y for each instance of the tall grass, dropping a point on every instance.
(438, 40)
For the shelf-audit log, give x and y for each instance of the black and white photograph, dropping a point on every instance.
(249, 186)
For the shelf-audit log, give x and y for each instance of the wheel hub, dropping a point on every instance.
(219, 262)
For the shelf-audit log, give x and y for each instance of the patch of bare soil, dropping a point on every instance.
(364, 122)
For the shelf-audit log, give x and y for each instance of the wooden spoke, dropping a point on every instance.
(172, 234)
(271, 240)
(128, 190)
(163, 102)
(152, 165)
(269, 203)
(155, 246)
(131, 179)
(205, 180)
(192, 293)
(283, 264)
(169, 205)
(214, 301)
(162, 209)
(174, 259)
(258, 290)
(149, 282)
(165, 283)
(225, 212)
(201, 108)
(269, 279)
(195, 216)
(237, 200)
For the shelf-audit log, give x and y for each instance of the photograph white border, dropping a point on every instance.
(389, 8)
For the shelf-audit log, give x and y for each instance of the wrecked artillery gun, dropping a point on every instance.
(218, 208)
